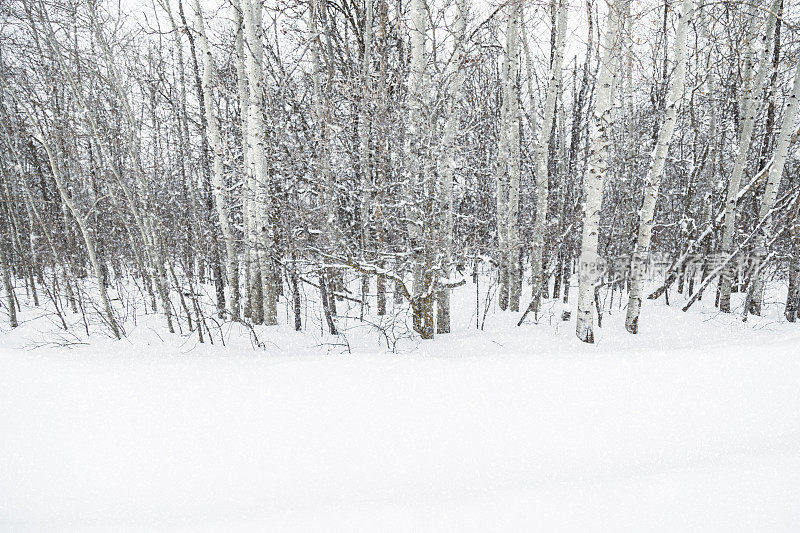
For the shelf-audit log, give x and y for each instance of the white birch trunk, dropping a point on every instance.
(597, 168)
(541, 163)
(771, 190)
(256, 141)
(8, 285)
(251, 276)
(512, 220)
(416, 172)
(447, 173)
(656, 171)
(364, 147)
(324, 176)
(318, 107)
(504, 157)
(218, 178)
(749, 109)
(530, 74)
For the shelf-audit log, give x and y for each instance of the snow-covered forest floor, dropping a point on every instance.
(693, 424)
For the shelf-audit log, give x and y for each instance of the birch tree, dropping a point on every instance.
(324, 176)
(5, 265)
(417, 175)
(597, 170)
(455, 76)
(756, 61)
(364, 146)
(541, 153)
(219, 187)
(252, 278)
(657, 161)
(793, 290)
(256, 149)
(771, 193)
(508, 167)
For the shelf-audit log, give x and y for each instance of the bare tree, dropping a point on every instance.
(656, 171)
(598, 167)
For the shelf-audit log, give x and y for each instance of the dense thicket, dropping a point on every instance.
(255, 156)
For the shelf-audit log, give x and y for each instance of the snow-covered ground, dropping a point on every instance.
(694, 424)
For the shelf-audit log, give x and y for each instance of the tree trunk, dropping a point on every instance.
(447, 173)
(365, 158)
(750, 100)
(597, 169)
(256, 148)
(8, 285)
(793, 294)
(417, 174)
(541, 163)
(656, 172)
(324, 178)
(218, 178)
(512, 93)
(771, 192)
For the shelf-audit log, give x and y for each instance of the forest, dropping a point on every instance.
(319, 162)
(399, 265)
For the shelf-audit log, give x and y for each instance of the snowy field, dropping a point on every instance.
(694, 424)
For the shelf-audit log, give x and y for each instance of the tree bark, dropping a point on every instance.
(417, 172)
(218, 177)
(256, 148)
(771, 192)
(447, 172)
(750, 100)
(541, 163)
(597, 170)
(656, 172)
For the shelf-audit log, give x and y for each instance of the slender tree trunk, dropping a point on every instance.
(750, 100)
(541, 163)
(325, 184)
(447, 173)
(251, 278)
(383, 151)
(656, 171)
(218, 178)
(512, 92)
(771, 192)
(205, 167)
(417, 174)
(8, 285)
(507, 164)
(187, 183)
(598, 167)
(256, 148)
(793, 294)
(365, 159)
